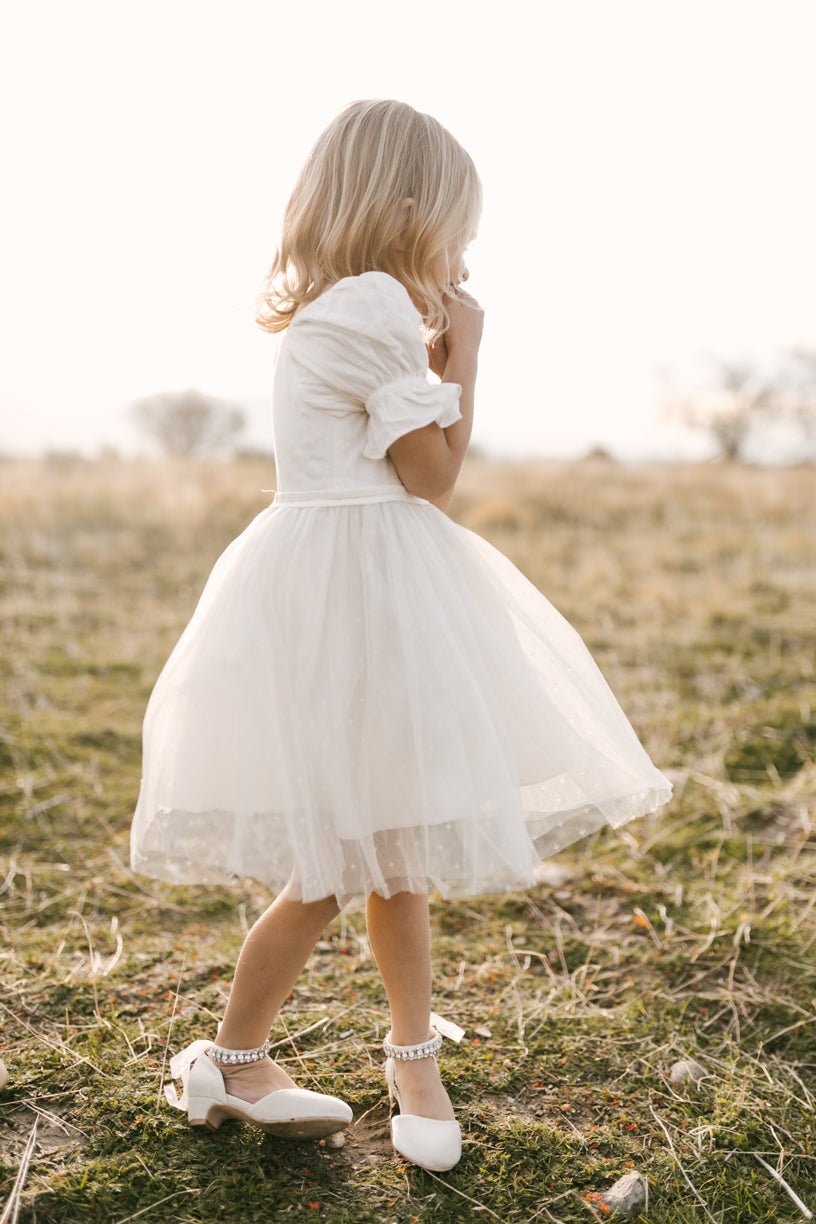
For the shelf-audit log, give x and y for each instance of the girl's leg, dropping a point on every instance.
(399, 932)
(272, 957)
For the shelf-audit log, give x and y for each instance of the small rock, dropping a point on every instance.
(628, 1195)
(686, 1069)
(3, 1075)
(484, 1031)
(337, 1140)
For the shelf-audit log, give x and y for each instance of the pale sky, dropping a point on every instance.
(647, 172)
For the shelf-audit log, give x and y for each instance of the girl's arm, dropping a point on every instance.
(429, 460)
(461, 367)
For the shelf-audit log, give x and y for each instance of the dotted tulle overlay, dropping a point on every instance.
(369, 696)
(373, 697)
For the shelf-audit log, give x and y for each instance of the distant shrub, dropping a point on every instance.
(60, 459)
(108, 453)
(255, 452)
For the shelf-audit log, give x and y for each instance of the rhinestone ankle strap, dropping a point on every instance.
(423, 1049)
(220, 1054)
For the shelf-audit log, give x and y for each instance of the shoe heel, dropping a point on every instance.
(201, 1111)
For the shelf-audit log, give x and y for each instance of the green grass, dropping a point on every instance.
(690, 933)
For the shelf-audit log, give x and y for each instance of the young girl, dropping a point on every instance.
(370, 702)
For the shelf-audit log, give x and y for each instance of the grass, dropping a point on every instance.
(689, 933)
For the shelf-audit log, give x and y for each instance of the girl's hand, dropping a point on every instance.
(465, 330)
(466, 321)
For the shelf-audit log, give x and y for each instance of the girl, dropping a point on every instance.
(370, 701)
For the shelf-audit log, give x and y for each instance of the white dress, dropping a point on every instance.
(370, 696)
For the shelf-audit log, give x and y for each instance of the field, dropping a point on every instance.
(689, 934)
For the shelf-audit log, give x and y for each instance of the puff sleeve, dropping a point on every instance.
(359, 345)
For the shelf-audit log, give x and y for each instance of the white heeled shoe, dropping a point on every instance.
(431, 1143)
(291, 1113)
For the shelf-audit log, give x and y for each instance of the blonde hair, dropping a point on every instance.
(346, 213)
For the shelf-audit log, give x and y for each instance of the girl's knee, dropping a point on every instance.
(325, 909)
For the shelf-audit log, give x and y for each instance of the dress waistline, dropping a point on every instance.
(343, 497)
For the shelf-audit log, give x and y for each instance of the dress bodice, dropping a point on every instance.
(351, 376)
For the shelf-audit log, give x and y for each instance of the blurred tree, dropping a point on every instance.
(738, 398)
(189, 422)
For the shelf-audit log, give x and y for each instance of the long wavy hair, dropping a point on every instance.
(347, 213)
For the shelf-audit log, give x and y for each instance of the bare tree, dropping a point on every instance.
(738, 398)
(189, 422)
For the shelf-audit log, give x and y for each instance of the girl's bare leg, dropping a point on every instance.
(400, 936)
(271, 959)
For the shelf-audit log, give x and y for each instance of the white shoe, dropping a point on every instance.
(291, 1113)
(431, 1143)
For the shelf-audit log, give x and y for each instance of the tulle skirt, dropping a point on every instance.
(371, 697)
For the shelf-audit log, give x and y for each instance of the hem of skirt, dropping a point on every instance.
(205, 874)
(561, 830)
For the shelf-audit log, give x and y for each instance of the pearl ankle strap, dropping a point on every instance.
(423, 1049)
(220, 1054)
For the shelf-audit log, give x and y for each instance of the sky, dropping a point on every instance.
(648, 200)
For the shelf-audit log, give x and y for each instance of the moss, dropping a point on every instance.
(784, 746)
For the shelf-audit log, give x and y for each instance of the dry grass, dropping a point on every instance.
(689, 934)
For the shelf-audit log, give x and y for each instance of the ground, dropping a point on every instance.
(689, 933)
